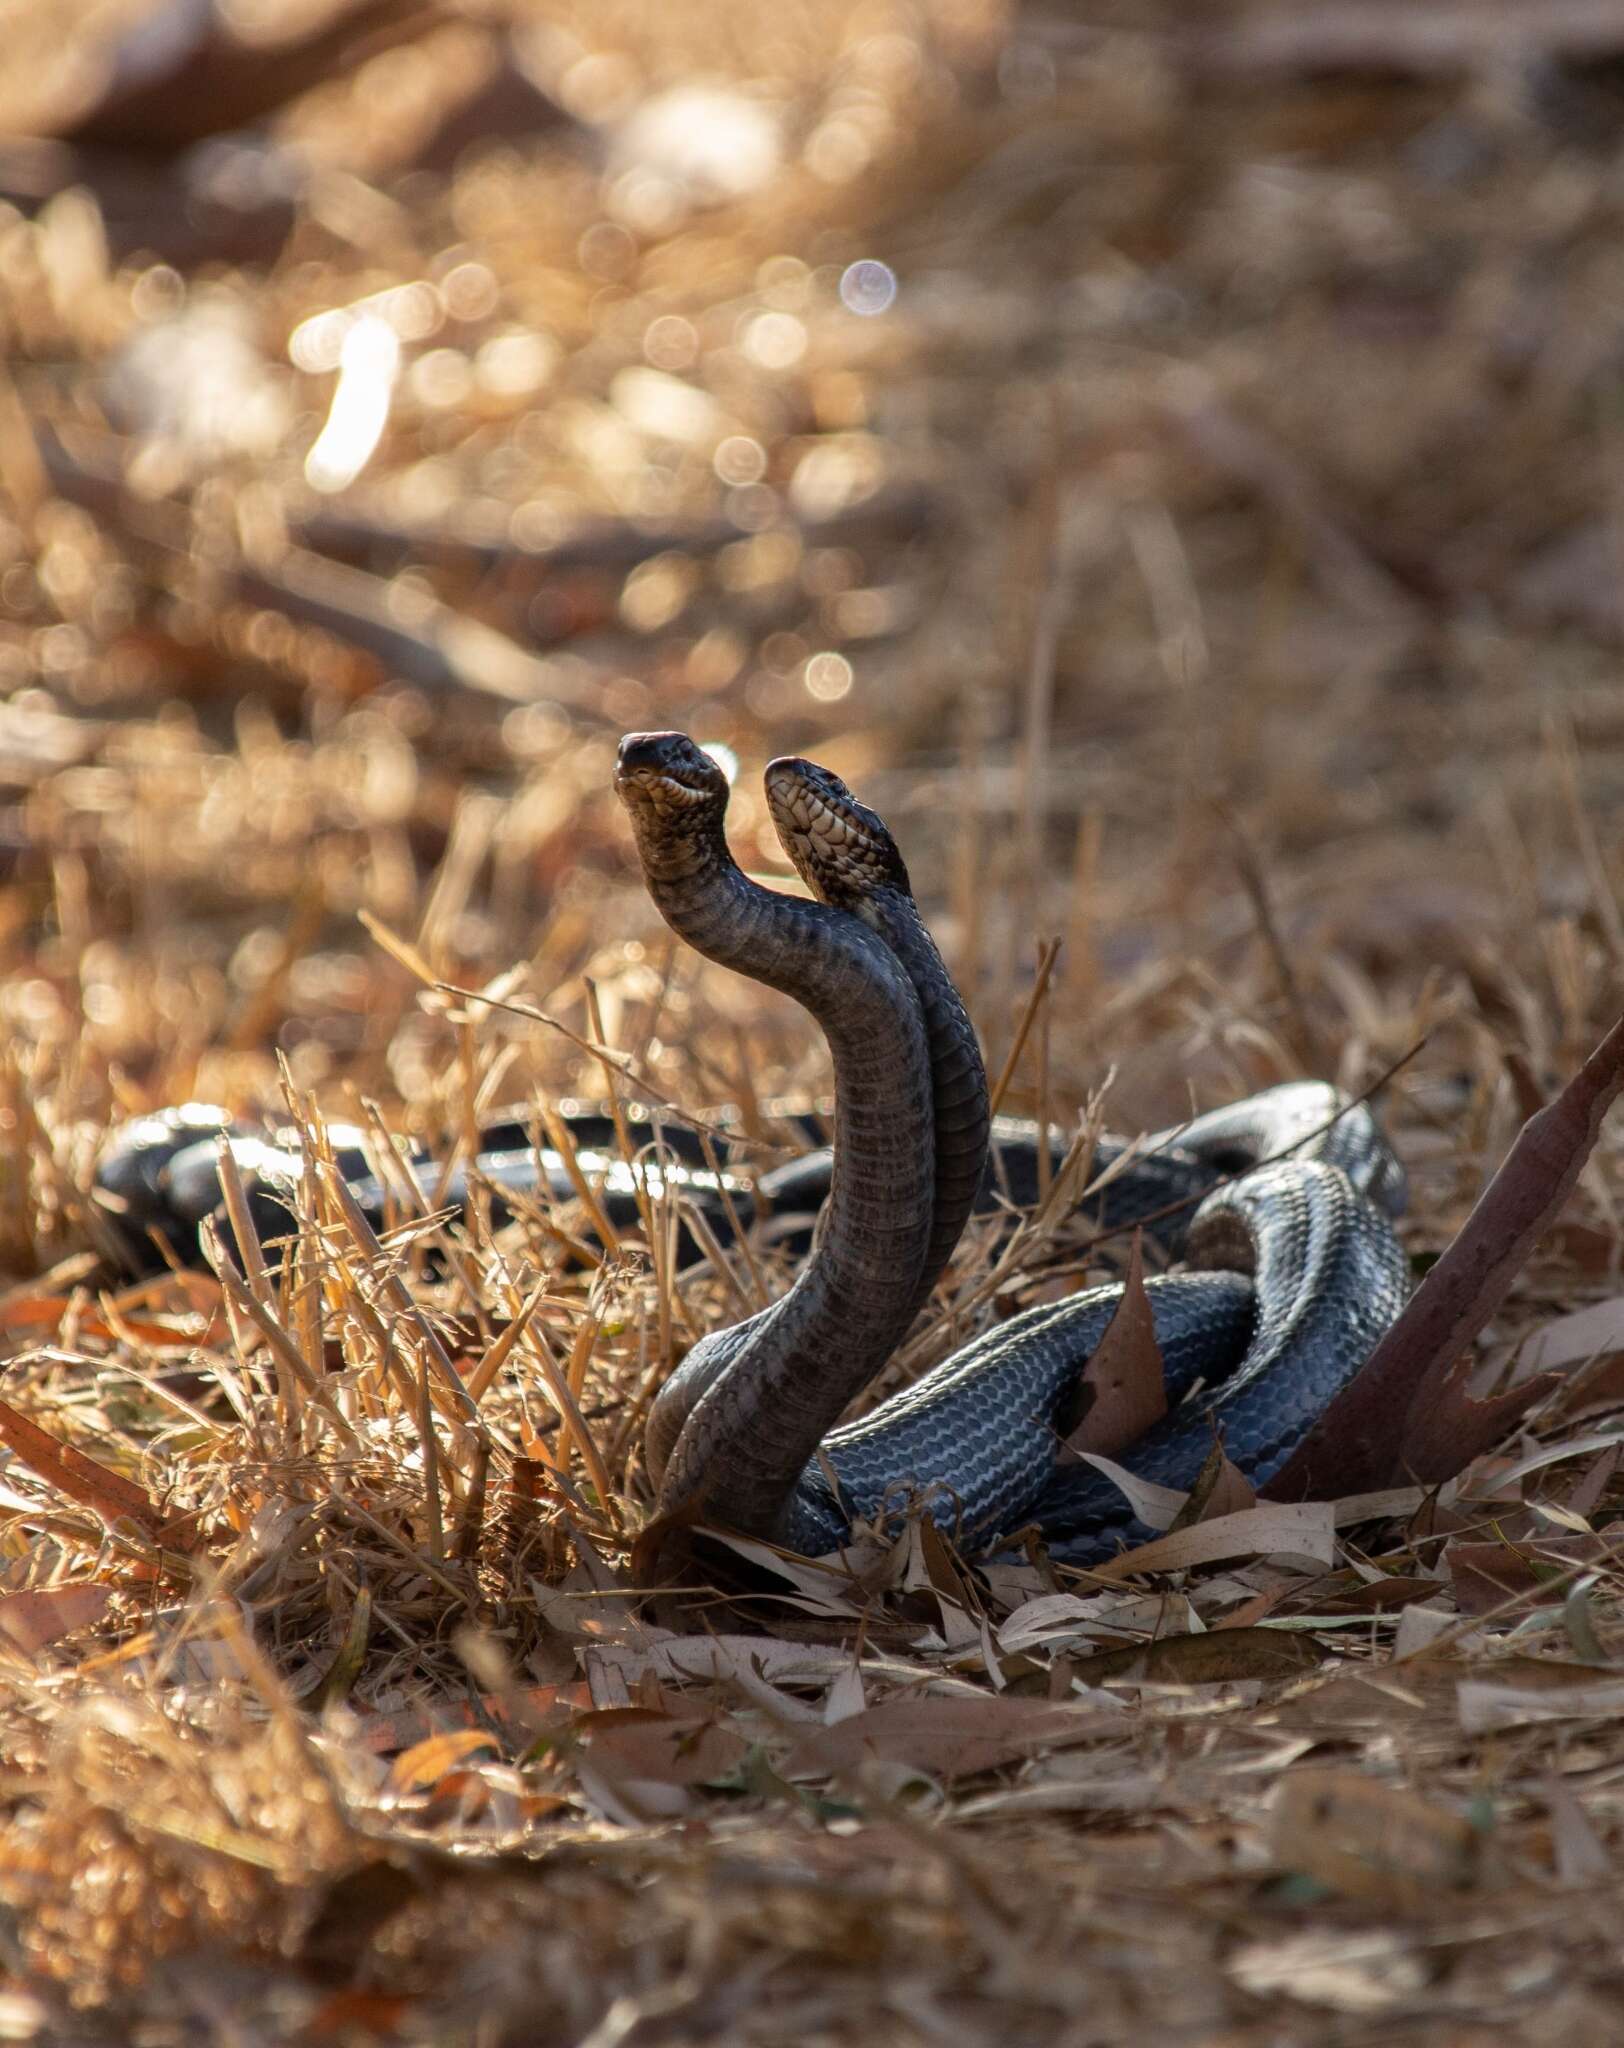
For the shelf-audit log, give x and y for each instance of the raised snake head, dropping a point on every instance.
(841, 849)
(676, 796)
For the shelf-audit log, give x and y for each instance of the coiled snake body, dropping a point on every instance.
(1298, 1267)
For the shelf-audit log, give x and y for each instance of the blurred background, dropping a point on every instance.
(1163, 455)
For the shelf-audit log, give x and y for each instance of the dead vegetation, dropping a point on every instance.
(1207, 561)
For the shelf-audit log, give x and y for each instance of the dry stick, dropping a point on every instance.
(429, 1438)
(652, 1236)
(1048, 954)
(742, 1082)
(1255, 883)
(236, 1195)
(394, 1369)
(670, 1222)
(1045, 1157)
(258, 1279)
(310, 1294)
(1290, 1151)
(607, 1063)
(636, 1410)
(483, 1376)
(573, 1425)
(353, 1511)
(1414, 1371)
(1054, 601)
(466, 1543)
(701, 1233)
(409, 1190)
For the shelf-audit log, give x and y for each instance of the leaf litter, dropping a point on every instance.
(331, 1693)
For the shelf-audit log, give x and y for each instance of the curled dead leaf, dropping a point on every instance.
(1123, 1389)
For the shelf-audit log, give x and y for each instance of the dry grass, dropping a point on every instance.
(1211, 533)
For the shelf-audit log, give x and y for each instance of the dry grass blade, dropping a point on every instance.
(1048, 954)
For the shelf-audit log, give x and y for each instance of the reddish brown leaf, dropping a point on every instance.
(46, 1311)
(346, 2013)
(384, 1734)
(74, 1474)
(31, 1620)
(1123, 1389)
(1487, 1575)
(1413, 1372)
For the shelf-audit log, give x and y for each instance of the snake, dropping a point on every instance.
(1293, 1266)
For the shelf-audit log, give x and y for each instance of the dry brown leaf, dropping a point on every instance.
(1371, 1841)
(1218, 1656)
(1123, 1388)
(46, 1311)
(1220, 1488)
(668, 1749)
(31, 1620)
(1574, 1339)
(1303, 1529)
(948, 1737)
(384, 1734)
(426, 1762)
(1485, 1575)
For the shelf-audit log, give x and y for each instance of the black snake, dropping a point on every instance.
(1302, 1269)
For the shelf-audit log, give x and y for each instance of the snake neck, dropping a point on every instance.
(960, 1108)
(742, 1448)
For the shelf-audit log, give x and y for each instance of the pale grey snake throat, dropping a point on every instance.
(1297, 1269)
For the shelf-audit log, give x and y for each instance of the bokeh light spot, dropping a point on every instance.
(828, 677)
(868, 287)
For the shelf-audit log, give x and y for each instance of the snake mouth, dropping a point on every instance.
(666, 771)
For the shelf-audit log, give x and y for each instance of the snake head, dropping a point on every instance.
(676, 796)
(841, 849)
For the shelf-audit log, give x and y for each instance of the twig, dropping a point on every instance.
(1048, 954)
